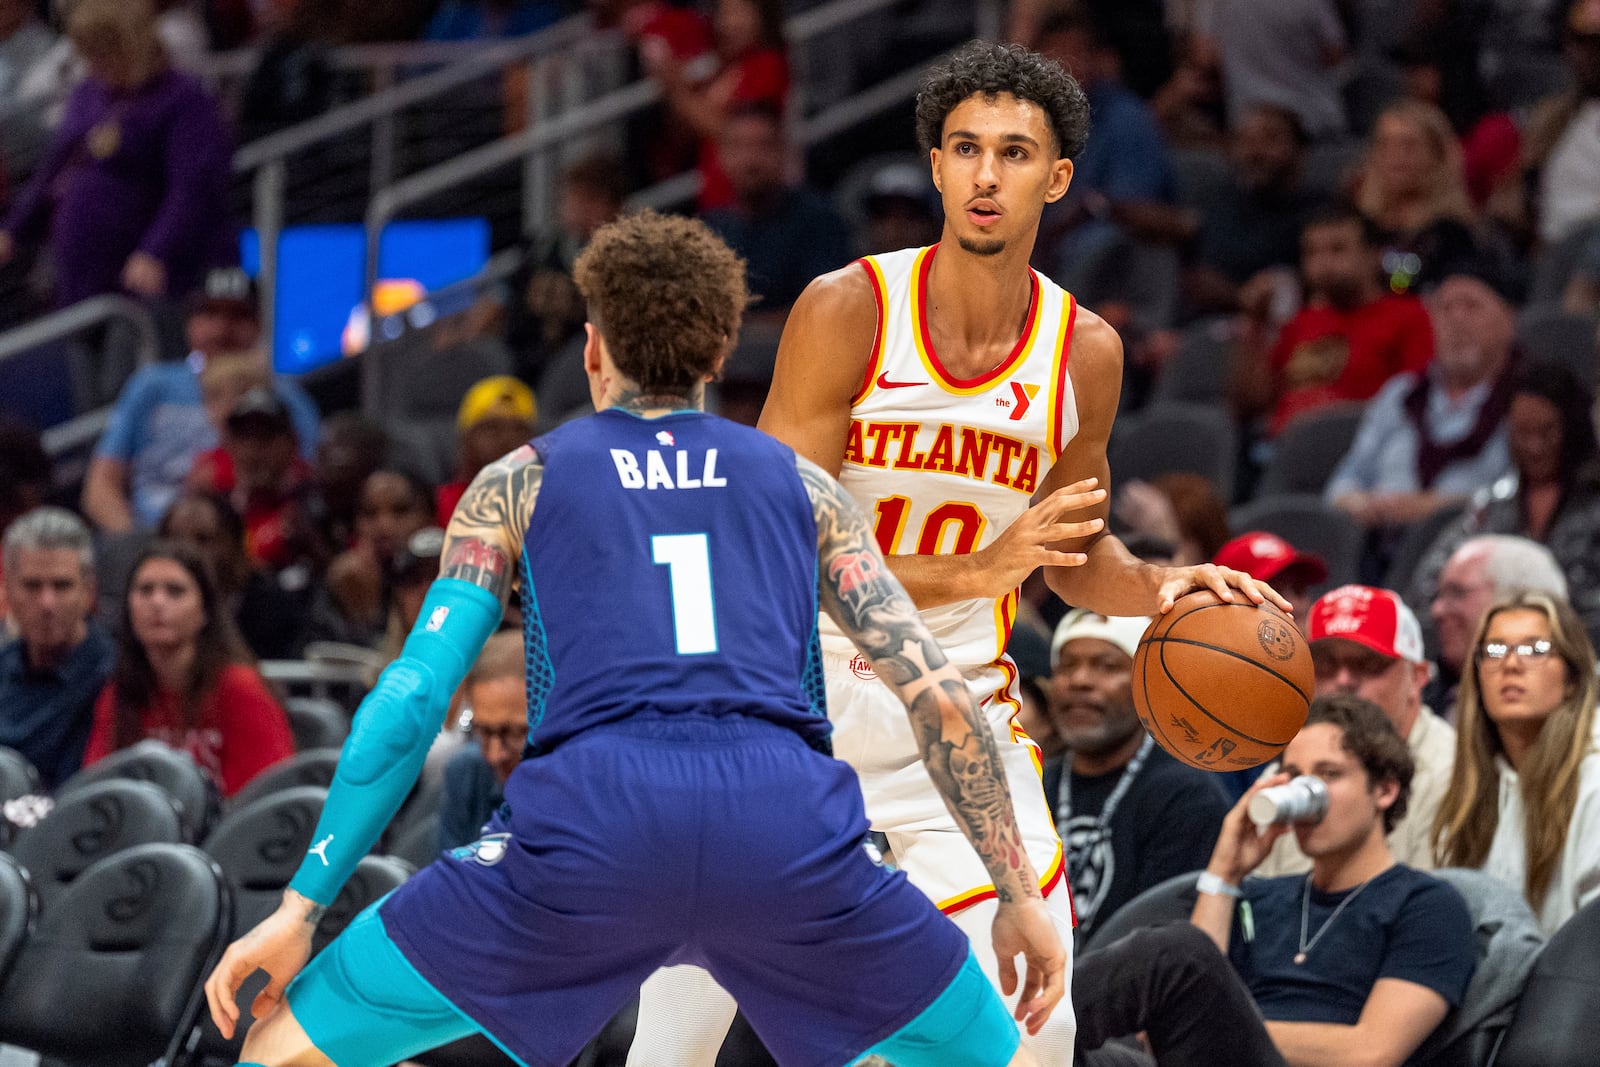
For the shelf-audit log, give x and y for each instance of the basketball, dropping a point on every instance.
(1222, 686)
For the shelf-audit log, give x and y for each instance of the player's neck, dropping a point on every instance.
(977, 301)
(626, 396)
(1335, 872)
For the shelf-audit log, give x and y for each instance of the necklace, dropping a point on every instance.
(1305, 915)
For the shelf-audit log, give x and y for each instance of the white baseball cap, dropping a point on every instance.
(1123, 631)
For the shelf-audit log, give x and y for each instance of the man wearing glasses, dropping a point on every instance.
(474, 780)
(1365, 642)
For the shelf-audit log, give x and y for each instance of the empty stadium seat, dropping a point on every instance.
(112, 975)
(1549, 331)
(1167, 438)
(316, 722)
(1198, 372)
(18, 778)
(19, 909)
(311, 767)
(375, 877)
(175, 772)
(1170, 901)
(1308, 524)
(1307, 451)
(90, 824)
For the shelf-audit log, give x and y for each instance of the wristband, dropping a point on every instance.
(1215, 886)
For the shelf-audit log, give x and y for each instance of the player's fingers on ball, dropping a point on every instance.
(1217, 582)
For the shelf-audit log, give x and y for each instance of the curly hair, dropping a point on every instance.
(1370, 737)
(666, 294)
(992, 69)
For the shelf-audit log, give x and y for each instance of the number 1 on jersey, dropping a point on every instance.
(687, 558)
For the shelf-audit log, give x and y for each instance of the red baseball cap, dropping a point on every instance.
(1376, 618)
(1266, 556)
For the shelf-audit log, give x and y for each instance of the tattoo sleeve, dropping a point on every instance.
(486, 531)
(957, 745)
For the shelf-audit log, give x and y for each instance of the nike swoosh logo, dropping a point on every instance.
(885, 383)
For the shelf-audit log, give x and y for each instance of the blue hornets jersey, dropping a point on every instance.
(670, 566)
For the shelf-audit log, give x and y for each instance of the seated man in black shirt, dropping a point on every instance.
(1356, 962)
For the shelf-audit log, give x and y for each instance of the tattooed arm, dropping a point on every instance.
(958, 747)
(484, 539)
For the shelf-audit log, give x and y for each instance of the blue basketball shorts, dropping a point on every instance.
(728, 843)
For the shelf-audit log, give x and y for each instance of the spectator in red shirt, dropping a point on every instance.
(495, 416)
(753, 68)
(1347, 341)
(260, 472)
(663, 34)
(182, 676)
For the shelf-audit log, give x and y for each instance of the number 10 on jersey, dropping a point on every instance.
(687, 558)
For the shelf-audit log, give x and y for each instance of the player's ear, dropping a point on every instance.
(1060, 179)
(591, 348)
(933, 163)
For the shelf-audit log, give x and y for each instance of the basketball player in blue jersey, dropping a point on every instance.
(676, 803)
(965, 402)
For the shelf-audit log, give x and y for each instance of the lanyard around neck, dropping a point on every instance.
(1109, 808)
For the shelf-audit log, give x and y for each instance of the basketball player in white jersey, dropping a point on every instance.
(965, 402)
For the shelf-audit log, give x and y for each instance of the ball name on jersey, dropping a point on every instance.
(948, 449)
(657, 473)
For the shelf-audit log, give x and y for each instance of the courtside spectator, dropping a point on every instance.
(1563, 139)
(787, 234)
(1553, 495)
(52, 671)
(259, 471)
(351, 447)
(1179, 508)
(1413, 189)
(159, 424)
(1432, 439)
(1268, 558)
(1524, 801)
(132, 192)
(271, 611)
(496, 416)
(1483, 569)
(1129, 815)
(496, 691)
(1280, 52)
(660, 145)
(353, 605)
(1365, 642)
(183, 677)
(1350, 338)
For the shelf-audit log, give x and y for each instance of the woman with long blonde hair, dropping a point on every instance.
(1413, 187)
(1524, 797)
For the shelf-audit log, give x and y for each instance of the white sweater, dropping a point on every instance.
(1577, 875)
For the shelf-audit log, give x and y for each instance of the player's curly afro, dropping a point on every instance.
(666, 294)
(992, 69)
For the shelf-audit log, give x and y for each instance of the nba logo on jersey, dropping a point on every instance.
(665, 438)
(485, 852)
(436, 620)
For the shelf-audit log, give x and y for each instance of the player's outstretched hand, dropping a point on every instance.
(1026, 545)
(280, 945)
(1025, 926)
(1221, 581)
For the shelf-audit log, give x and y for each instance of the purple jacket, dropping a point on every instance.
(143, 171)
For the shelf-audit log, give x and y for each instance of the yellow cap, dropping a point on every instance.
(501, 396)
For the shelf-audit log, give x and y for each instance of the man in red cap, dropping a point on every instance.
(1366, 642)
(1267, 557)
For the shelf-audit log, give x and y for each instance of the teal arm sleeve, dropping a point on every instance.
(393, 730)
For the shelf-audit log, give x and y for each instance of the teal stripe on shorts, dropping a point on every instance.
(966, 1026)
(362, 1003)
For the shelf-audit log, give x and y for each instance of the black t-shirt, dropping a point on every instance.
(1404, 924)
(1165, 824)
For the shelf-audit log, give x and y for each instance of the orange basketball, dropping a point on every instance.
(1222, 686)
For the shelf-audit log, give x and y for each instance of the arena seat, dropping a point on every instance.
(1419, 537)
(258, 847)
(1170, 901)
(1549, 331)
(314, 766)
(90, 824)
(1197, 373)
(19, 909)
(174, 771)
(18, 778)
(375, 877)
(1167, 438)
(417, 843)
(1303, 520)
(1508, 943)
(112, 975)
(316, 722)
(1310, 448)
(1557, 1022)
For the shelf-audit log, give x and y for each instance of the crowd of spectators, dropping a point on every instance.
(1344, 214)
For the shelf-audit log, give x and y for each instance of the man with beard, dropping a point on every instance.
(1347, 341)
(1130, 815)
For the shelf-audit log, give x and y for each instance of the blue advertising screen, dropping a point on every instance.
(319, 313)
